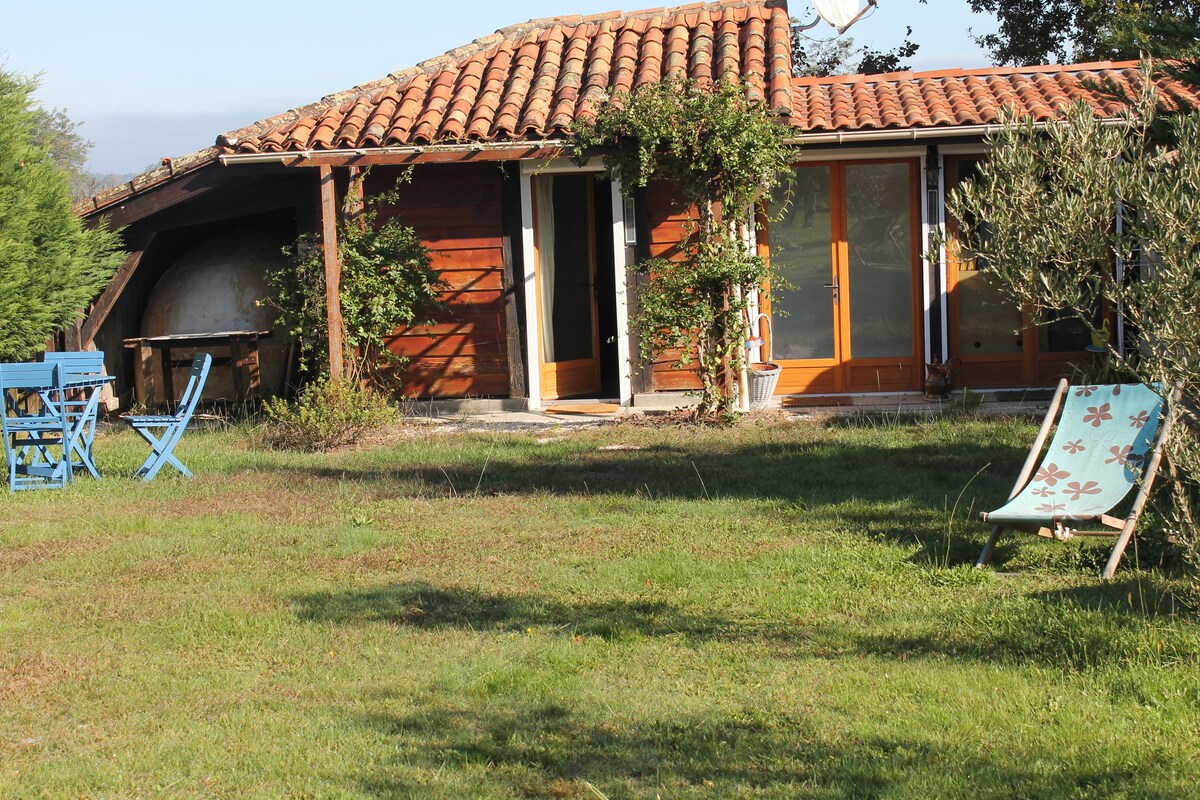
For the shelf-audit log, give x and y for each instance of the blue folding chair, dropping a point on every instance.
(162, 444)
(37, 437)
(80, 405)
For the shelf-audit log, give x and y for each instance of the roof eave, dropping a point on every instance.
(483, 151)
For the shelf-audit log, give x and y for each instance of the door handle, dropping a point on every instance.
(834, 286)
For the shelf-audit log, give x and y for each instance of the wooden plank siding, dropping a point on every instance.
(457, 212)
(667, 224)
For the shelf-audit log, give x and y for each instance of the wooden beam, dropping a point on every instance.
(108, 298)
(516, 365)
(72, 338)
(356, 201)
(243, 199)
(333, 273)
(158, 198)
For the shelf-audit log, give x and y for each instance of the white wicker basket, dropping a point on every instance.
(764, 377)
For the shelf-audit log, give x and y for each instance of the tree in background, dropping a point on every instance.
(1040, 31)
(840, 56)
(1041, 219)
(51, 267)
(57, 134)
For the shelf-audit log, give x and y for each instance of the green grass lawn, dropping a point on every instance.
(779, 610)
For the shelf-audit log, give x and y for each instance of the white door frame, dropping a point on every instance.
(622, 257)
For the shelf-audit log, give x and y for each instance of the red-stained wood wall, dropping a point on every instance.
(456, 210)
(667, 221)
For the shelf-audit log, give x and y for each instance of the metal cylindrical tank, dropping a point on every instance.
(219, 285)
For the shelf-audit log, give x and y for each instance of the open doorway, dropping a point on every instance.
(575, 286)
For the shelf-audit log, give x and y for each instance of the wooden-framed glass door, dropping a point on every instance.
(847, 244)
(986, 328)
(989, 333)
(565, 278)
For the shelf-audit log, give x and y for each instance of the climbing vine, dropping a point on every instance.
(721, 151)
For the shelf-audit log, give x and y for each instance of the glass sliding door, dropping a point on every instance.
(879, 244)
(989, 333)
(986, 328)
(803, 249)
(847, 245)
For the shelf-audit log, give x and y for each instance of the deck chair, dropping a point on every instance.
(1108, 440)
(163, 432)
(80, 406)
(36, 436)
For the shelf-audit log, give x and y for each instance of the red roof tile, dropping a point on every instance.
(533, 81)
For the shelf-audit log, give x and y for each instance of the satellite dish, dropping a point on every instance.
(839, 14)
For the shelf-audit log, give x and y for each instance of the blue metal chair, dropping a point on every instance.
(37, 437)
(162, 444)
(1109, 439)
(80, 405)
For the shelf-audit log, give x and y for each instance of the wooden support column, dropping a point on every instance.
(73, 338)
(356, 201)
(333, 273)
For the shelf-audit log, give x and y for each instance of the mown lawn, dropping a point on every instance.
(781, 610)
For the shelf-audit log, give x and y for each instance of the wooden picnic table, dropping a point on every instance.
(242, 360)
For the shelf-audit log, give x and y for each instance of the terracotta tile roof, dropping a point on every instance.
(955, 98)
(532, 81)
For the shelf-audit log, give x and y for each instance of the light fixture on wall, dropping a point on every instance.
(838, 14)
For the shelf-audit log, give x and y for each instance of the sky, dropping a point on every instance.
(154, 78)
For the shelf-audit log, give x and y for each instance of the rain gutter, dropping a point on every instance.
(919, 134)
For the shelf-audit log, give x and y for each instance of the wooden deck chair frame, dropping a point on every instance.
(172, 426)
(1113, 526)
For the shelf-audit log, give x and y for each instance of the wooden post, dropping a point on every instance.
(143, 383)
(516, 366)
(237, 365)
(333, 273)
(743, 398)
(355, 202)
(168, 377)
(72, 338)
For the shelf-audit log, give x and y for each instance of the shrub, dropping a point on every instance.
(387, 283)
(1041, 216)
(325, 415)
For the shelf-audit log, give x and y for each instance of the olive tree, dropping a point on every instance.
(1068, 215)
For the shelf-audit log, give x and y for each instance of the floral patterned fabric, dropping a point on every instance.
(1104, 436)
